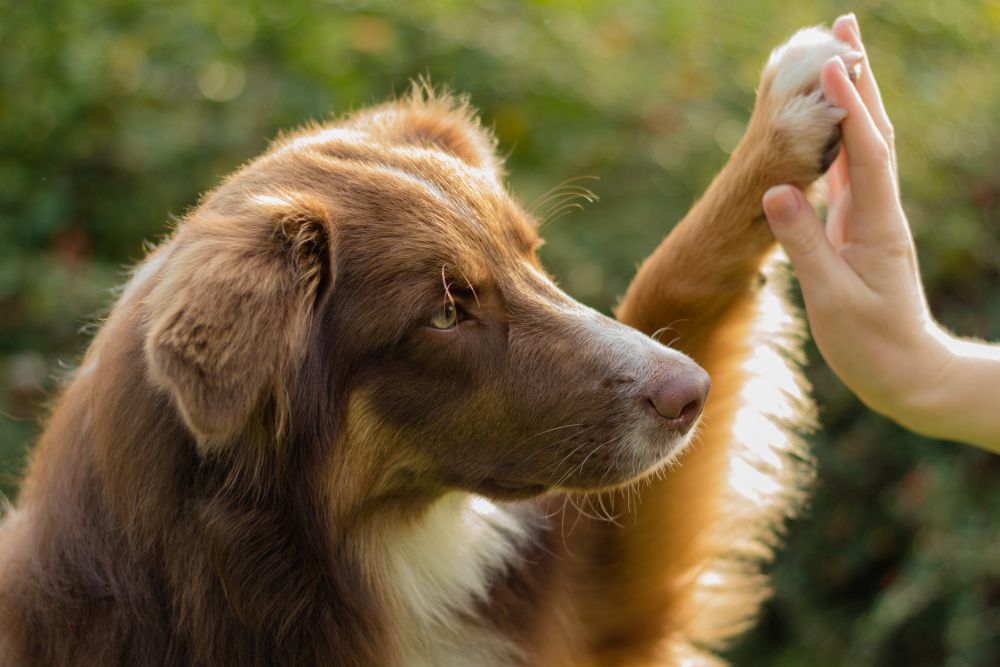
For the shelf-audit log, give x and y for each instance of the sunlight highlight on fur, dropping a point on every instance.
(764, 476)
(751, 483)
(327, 136)
(773, 395)
(271, 200)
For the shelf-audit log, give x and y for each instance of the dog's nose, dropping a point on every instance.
(678, 396)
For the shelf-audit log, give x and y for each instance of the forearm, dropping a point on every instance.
(961, 399)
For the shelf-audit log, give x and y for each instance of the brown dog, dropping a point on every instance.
(335, 420)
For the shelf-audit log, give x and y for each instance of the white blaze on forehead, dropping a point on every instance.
(327, 136)
(453, 204)
(469, 178)
(483, 178)
(456, 170)
(430, 188)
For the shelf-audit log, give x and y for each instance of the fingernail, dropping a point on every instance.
(854, 73)
(843, 18)
(780, 203)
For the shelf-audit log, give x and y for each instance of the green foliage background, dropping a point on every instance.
(115, 114)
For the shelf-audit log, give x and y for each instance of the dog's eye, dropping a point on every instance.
(445, 318)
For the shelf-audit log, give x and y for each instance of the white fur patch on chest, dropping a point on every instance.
(439, 568)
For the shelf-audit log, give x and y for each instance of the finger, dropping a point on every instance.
(799, 230)
(846, 29)
(836, 177)
(869, 162)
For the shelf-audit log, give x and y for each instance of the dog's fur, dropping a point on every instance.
(268, 457)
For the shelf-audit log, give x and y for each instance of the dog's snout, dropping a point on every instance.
(678, 396)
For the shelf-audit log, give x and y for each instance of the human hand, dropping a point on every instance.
(859, 275)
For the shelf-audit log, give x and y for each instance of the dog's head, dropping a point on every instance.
(370, 287)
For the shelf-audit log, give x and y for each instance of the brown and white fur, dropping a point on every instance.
(336, 419)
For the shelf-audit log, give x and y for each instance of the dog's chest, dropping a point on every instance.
(439, 569)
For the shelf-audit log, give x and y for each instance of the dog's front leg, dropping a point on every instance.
(671, 578)
(711, 260)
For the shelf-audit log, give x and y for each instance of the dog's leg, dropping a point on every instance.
(711, 260)
(673, 577)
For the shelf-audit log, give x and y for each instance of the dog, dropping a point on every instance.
(342, 416)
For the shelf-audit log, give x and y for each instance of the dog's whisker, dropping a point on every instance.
(448, 298)
(547, 214)
(609, 517)
(561, 212)
(473, 290)
(573, 192)
(562, 523)
(570, 181)
(656, 334)
(560, 203)
(558, 442)
(549, 430)
(669, 327)
(582, 193)
(585, 193)
(583, 512)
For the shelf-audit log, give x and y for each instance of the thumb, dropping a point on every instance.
(799, 230)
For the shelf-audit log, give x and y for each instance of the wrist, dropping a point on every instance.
(959, 400)
(921, 398)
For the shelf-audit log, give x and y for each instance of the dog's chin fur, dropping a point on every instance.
(279, 449)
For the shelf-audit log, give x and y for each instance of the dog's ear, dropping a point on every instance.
(231, 314)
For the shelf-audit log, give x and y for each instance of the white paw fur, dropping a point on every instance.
(793, 68)
(791, 97)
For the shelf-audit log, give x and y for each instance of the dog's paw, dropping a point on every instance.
(797, 120)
